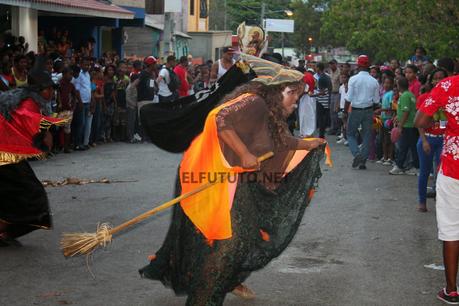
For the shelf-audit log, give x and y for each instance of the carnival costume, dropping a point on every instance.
(23, 125)
(219, 236)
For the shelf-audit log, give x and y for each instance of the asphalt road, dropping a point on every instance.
(361, 241)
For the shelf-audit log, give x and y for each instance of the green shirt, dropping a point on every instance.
(407, 103)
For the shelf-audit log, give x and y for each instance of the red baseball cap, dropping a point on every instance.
(363, 61)
(150, 60)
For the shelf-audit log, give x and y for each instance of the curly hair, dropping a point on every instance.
(272, 95)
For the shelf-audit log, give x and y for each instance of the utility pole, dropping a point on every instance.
(167, 44)
(263, 11)
(225, 19)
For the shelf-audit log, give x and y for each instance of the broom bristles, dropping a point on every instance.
(73, 244)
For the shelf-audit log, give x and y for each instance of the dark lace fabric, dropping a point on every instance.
(265, 215)
(24, 205)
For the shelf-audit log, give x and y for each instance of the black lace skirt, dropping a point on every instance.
(263, 223)
(23, 201)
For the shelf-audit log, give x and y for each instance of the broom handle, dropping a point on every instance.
(172, 202)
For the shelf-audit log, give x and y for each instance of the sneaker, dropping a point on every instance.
(381, 161)
(362, 167)
(137, 137)
(396, 171)
(356, 162)
(388, 162)
(412, 171)
(452, 298)
(341, 141)
(346, 143)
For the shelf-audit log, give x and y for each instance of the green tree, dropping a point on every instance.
(387, 29)
(307, 16)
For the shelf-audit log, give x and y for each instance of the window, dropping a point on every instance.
(192, 7)
(203, 9)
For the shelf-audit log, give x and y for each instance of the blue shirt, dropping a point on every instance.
(83, 85)
(387, 104)
(363, 90)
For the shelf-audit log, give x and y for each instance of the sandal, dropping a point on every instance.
(422, 208)
(244, 292)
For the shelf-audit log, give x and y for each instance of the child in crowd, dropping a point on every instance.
(109, 101)
(405, 124)
(98, 96)
(131, 102)
(411, 75)
(120, 117)
(67, 100)
(386, 118)
(344, 79)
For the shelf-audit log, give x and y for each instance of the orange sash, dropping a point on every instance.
(204, 162)
(209, 210)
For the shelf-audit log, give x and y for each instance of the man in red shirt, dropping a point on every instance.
(181, 70)
(445, 97)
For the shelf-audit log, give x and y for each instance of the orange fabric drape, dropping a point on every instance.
(209, 210)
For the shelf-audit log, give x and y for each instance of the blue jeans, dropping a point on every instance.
(426, 162)
(357, 117)
(83, 126)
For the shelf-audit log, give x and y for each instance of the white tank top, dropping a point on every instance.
(221, 69)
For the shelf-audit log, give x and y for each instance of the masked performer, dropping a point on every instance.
(24, 134)
(220, 235)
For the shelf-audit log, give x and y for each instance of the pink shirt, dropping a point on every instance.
(415, 87)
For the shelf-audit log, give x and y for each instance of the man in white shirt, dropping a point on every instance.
(363, 92)
(83, 116)
(164, 80)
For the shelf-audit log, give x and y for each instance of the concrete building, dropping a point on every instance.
(90, 18)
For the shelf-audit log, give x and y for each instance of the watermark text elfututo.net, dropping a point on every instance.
(220, 177)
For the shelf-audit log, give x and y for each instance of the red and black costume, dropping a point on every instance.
(23, 125)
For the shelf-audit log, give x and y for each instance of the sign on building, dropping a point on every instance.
(280, 25)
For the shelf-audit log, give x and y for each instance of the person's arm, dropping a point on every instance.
(350, 96)
(425, 143)
(248, 160)
(310, 145)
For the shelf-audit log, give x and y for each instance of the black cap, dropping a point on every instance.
(227, 49)
(333, 61)
(39, 79)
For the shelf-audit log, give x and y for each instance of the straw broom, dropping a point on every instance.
(73, 244)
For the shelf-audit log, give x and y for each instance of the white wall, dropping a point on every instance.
(24, 22)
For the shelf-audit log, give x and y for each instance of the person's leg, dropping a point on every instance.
(403, 144)
(333, 114)
(321, 121)
(437, 149)
(425, 166)
(414, 136)
(448, 226)
(352, 130)
(367, 128)
(77, 130)
(87, 126)
(450, 259)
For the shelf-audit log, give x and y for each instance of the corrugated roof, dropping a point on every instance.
(79, 7)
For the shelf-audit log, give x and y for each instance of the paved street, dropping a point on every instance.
(361, 242)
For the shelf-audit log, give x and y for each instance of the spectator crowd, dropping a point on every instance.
(102, 96)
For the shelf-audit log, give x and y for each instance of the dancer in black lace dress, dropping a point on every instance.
(267, 208)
